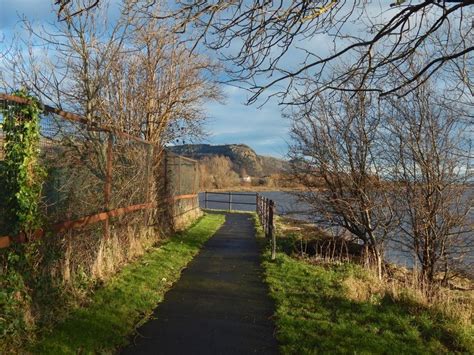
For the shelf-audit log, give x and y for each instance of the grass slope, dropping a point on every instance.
(129, 297)
(315, 315)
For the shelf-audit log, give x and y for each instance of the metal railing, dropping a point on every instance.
(266, 211)
(230, 202)
(264, 207)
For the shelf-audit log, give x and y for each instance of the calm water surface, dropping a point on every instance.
(287, 204)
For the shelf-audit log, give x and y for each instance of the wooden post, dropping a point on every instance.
(263, 216)
(268, 217)
(260, 208)
(230, 201)
(267, 212)
(205, 199)
(271, 231)
(265, 221)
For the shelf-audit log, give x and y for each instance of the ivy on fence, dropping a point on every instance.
(21, 179)
(21, 174)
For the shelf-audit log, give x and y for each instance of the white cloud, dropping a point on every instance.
(263, 129)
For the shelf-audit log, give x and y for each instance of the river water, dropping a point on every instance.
(288, 205)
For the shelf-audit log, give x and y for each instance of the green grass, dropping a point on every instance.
(115, 310)
(315, 315)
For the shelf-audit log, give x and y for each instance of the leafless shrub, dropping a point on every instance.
(397, 169)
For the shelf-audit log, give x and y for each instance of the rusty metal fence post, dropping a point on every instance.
(197, 178)
(179, 174)
(165, 174)
(148, 180)
(108, 182)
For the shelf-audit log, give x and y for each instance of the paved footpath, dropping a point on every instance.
(219, 305)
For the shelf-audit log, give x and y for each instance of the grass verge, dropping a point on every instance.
(129, 297)
(339, 308)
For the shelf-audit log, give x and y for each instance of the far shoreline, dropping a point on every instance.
(256, 189)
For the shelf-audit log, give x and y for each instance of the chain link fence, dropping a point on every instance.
(96, 174)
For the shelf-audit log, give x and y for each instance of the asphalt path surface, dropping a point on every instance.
(220, 305)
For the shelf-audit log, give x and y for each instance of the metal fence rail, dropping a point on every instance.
(264, 207)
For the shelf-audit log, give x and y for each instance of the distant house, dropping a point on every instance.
(245, 178)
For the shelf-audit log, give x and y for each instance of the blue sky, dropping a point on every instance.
(264, 129)
(261, 126)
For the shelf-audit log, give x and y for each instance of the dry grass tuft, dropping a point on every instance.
(363, 289)
(455, 304)
(458, 305)
(454, 300)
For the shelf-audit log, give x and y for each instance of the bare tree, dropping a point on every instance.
(336, 139)
(131, 73)
(263, 38)
(157, 88)
(430, 157)
(377, 37)
(125, 72)
(66, 64)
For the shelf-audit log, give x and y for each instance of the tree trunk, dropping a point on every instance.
(378, 259)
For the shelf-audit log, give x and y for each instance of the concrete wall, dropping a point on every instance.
(186, 212)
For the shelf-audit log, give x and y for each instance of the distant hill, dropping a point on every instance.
(241, 156)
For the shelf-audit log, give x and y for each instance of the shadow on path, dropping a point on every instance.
(219, 305)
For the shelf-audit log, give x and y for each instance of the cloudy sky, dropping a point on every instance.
(264, 129)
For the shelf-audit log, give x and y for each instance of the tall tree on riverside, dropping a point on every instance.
(338, 142)
(429, 152)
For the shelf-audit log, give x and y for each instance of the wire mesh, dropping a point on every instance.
(131, 169)
(182, 175)
(75, 158)
(92, 170)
